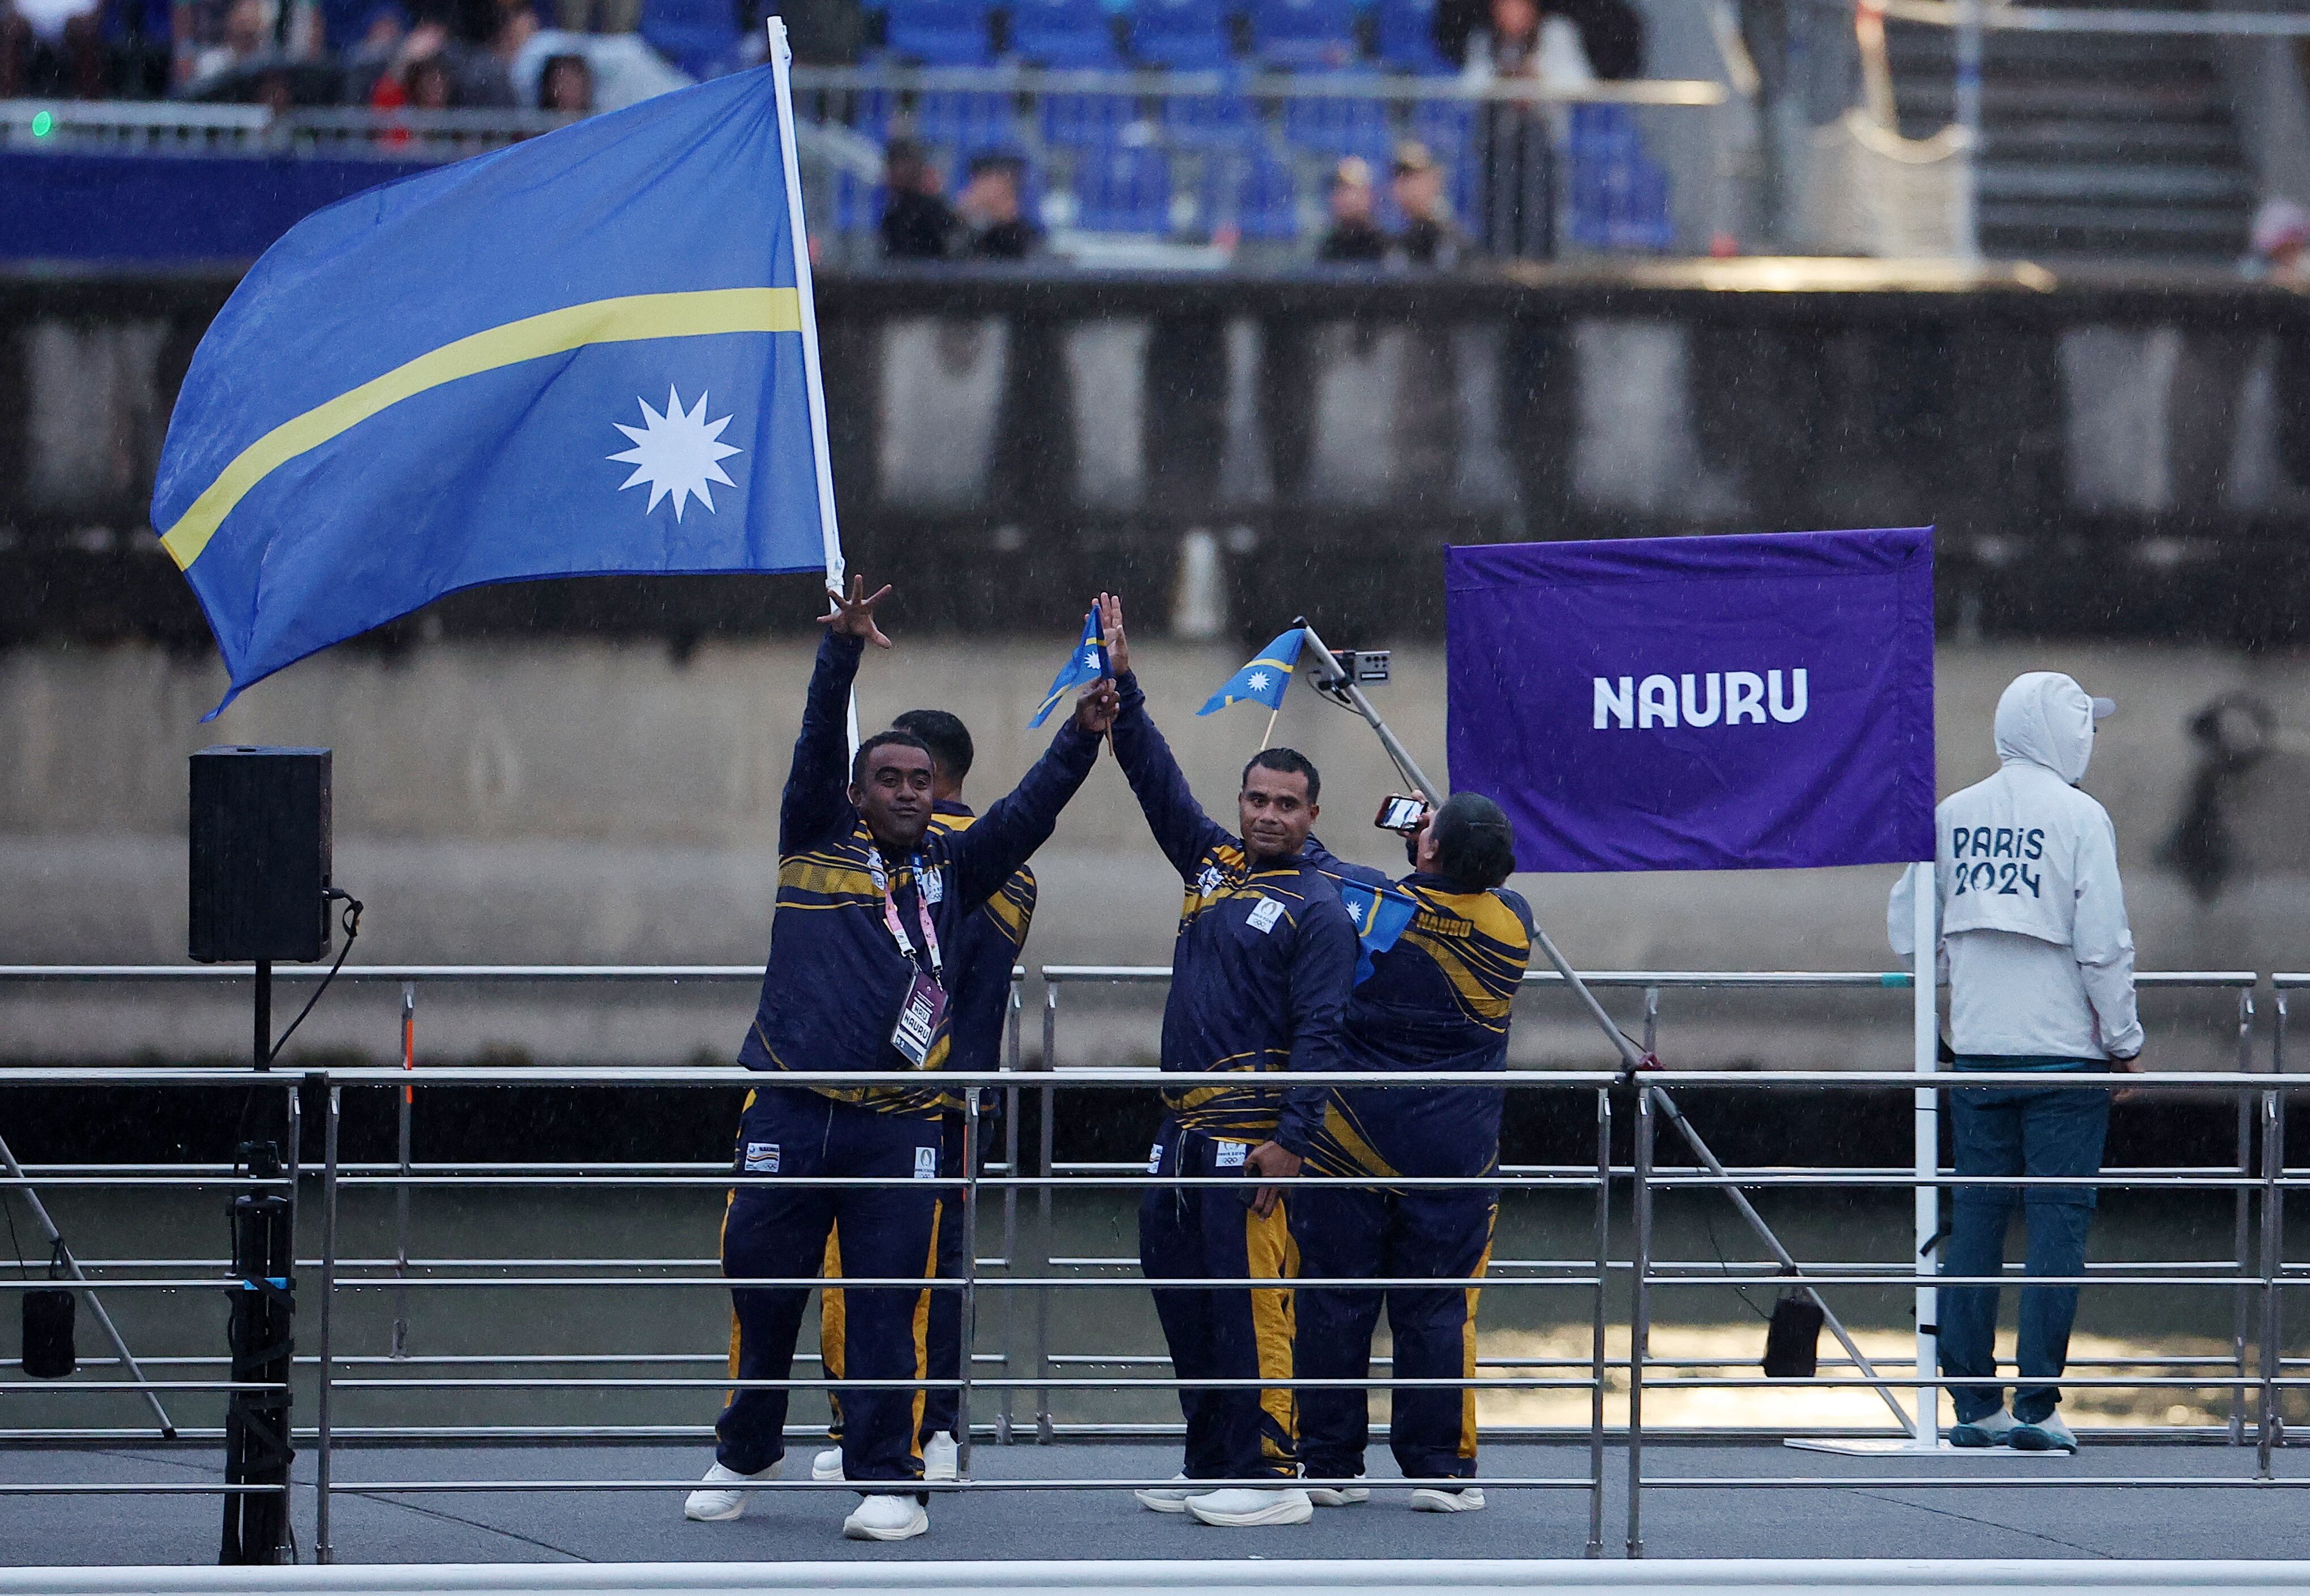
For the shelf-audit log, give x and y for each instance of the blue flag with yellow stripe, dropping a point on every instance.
(1380, 915)
(1264, 679)
(580, 355)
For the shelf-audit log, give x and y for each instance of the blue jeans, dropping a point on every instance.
(2008, 1131)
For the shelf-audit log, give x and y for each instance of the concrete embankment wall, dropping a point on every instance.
(574, 803)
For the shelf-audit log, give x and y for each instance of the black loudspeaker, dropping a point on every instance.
(259, 854)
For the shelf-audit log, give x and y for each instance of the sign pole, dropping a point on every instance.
(1927, 1129)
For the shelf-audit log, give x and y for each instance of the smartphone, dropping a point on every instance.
(1400, 813)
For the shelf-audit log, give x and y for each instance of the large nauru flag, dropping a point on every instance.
(581, 354)
(1699, 703)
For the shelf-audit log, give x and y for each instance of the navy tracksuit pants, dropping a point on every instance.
(1210, 1233)
(1365, 1232)
(776, 1230)
(942, 1405)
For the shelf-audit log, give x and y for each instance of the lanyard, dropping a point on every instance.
(890, 909)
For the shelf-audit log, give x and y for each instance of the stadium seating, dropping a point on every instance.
(1074, 35)
(1617, 195)
(939, 32)
(1405, 34)
(1190, 35)
(1293, 34)
(1122, 189)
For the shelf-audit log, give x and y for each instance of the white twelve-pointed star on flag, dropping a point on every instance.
(1257, 681)
(1090, 656)
(677, 452)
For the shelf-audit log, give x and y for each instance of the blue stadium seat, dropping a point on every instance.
(1303, 34)
(699, 36)
(1190, 35)
(1124, 189)
(1209, 121)
(1253, 192)
(1078, 121)
(1067, 34)
(1406, 37)
(939, 32)
(1618, 195)
(959, 125)
(1339, 125)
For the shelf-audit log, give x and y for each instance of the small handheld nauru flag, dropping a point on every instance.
(1380, 913)
(1264, 679)
(1086, 665)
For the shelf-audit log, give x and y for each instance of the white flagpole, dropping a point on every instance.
(798, 236)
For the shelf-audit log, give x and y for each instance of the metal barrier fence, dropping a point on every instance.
(2253, 1378)
(1206, 159)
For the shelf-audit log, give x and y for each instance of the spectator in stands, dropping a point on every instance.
(1354, 236)
(1514, 39)
(1429, 238)
(372, 55)
(917, 223)
(484, 76)
(48, 45)
(242, 33)
(2281, 242)
(566, 85)
(993, 209)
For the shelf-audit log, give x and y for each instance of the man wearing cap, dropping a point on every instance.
(2039, 961)
(1429, 238)
(1354, 236)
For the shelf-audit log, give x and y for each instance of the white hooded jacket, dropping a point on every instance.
(2034, 939)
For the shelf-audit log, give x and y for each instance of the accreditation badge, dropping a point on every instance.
(918, 1019)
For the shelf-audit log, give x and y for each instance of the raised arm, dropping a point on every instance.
(1182, 829)
(816, 804)
(1007, 835)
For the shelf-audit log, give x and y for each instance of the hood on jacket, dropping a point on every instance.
(2047, 718)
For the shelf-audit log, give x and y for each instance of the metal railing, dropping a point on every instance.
(2254, 1378)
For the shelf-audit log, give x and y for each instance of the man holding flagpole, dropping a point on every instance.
(1259, 976)
(869, 894)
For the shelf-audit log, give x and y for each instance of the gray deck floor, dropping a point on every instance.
(1848, 1517)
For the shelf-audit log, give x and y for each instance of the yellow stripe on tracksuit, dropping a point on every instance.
(625, 319)
(1468, 1343)
(1274, 1255)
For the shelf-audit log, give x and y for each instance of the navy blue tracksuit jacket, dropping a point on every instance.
(1439, 1000)
(830, 998)
(1259, 974)
(978, 976)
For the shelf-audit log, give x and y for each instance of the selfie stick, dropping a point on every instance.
(1339, 685)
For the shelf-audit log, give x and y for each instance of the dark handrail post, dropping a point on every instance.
(1639, 1319)
(324, 1551)
(1043, 1429)
(1598, 1366)
(2242, 1224)
(969, 1336)
(1013, 1025)
(2273, 1212)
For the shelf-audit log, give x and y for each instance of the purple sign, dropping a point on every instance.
(1754, 702)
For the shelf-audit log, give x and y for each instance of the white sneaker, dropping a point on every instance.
(1345, 1496)
(2049, 1434)
(1995, 1430)
(940, 1454)
(1242, 1509)
(1169, 1498)
(713, 1503)
(1429, 1498)
(827, 1465)
(887, 1518)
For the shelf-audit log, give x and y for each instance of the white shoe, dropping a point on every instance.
(887, 1518)
(1244, 1508)
(1169, 1498)
(1429, 1498)
(2049, 1434)
(827, 1465)
(1995, 1430)
(940, 1454)
(1345, 1496)
(713, 1503)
